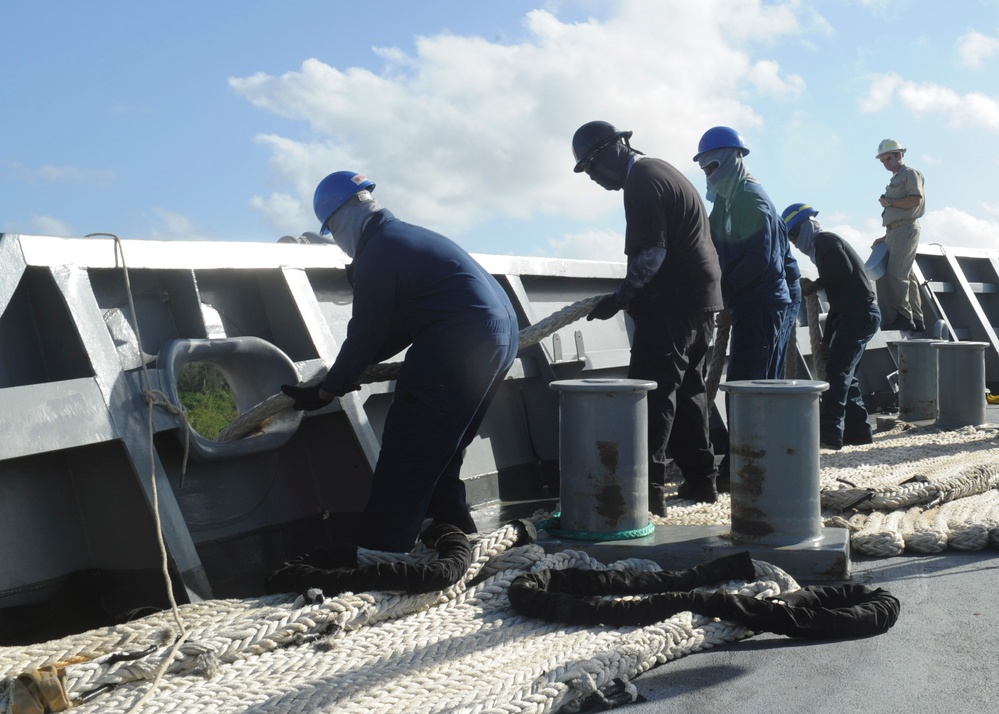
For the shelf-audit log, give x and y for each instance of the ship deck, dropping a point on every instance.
(935, 659)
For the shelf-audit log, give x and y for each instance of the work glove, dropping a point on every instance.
(306, 398)
(808, 287)
(605, 309)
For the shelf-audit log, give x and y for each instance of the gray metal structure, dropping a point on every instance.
(89, 442)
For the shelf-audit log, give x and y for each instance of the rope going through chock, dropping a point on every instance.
(249, 421)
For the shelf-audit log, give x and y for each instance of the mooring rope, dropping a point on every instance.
(820, 350)
(465, 650)
(249, 421)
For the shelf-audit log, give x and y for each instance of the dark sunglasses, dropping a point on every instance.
(590, 157)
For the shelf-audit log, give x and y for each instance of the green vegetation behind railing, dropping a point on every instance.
(206, 396)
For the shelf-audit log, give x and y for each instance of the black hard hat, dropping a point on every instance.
(591, 138)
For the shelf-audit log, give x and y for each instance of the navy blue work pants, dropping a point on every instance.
(841, 406)
(446, 383)
(670, 349)
(755, 334)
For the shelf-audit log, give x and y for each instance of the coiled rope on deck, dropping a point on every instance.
(465, 649)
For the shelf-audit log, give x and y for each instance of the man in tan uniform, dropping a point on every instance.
(902, 202)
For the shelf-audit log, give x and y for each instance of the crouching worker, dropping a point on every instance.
(851, 322)
(413, 288)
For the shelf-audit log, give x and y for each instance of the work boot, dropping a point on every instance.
(657, 500)
(700, 490)
(900, 324)
(723, 481)
(858, 438)
(829, 442)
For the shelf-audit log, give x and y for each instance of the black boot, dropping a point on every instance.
(698, 490)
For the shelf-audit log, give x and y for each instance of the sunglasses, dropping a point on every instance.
(886, 157)
(793, 233)
(591, 157)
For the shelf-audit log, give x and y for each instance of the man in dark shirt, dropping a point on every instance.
(671, 291)
(851, 322)
(413, 288)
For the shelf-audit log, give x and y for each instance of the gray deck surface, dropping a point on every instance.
(941, 655)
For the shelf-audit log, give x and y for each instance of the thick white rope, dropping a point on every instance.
(471, 653)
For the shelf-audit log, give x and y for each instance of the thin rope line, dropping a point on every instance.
(152, 398)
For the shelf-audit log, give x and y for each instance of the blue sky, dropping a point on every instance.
(215, 120)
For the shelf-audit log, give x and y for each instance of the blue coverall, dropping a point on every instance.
(415, 288)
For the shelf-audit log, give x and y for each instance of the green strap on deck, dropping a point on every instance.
(551, 525)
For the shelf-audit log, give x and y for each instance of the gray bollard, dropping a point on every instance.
(603, 455)
(917, 379)
(774, 452)
(961, 400)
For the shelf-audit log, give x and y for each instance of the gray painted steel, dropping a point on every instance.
(917, 379)
(774, 448)
(962, 384)
(603, 454)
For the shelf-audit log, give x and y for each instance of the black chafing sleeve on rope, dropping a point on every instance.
(575, 597)
(454, 557)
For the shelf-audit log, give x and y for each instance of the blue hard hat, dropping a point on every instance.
(333, 191)
(797, 213)
(720, 137)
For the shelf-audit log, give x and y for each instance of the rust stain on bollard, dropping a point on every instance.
(752, 474)
(610, 500)
(608, 455)
(750, 522)
(610, 504)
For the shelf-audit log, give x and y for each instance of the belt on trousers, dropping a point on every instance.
(900, 222)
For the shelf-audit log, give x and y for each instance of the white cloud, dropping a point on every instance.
(972, 109)
(175, 226)
(63, 174)
(440, 129)
(49, 226)
(955, 228)
(975, 48)
(596, 244)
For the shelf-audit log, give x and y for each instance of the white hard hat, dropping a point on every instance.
(887, 146)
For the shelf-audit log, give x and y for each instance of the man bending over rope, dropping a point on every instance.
(413, 288)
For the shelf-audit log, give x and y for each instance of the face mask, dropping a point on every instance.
(728, 173)
(806, 237)
(609, 168)
(347, 222)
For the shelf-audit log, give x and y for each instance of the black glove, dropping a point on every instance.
(605, 309)
(808, 287)
(306, 398)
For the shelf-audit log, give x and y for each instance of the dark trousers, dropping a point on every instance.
(755, 336)
(445, 386)
(842, 407)
(670, 349)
